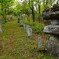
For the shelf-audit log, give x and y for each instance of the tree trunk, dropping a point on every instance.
(29, 3)
(32, 9)
(33, 13)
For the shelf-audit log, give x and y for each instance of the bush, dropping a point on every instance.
(38, 27)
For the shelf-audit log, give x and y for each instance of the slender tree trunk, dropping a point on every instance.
(39, 10)
(33, 13)
(4, 13)
(46, 4)
(4, 18)
(32, 9)
(39, 6)
(29, 3)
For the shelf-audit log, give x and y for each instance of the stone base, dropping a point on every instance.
(52, 46)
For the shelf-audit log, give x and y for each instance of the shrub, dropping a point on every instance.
(38, 27)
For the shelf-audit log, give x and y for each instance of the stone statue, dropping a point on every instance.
(52, 29)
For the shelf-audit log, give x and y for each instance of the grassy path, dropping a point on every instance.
(14, 43)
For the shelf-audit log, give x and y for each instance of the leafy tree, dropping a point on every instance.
(5, 5)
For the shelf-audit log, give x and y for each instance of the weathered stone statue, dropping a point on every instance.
(52, 15)
(29, 31)
(20, 20)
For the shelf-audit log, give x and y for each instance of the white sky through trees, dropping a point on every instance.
(20, 1)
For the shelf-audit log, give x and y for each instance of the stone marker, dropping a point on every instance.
(24, 26)
(20, 20)
(0, 29)
(39, 42)
(21, 24)
(29, 32)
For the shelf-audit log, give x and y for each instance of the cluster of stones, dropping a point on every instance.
(52, 15)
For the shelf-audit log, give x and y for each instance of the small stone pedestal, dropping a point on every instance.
(29, 32)
(24, 26)
(0, 28)
(39, 43)
(21, 24)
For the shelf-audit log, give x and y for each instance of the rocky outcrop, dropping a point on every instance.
(52, 13)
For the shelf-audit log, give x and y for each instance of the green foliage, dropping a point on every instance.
(38, 27)
(4, 7)
(25, 21)
(26, 9)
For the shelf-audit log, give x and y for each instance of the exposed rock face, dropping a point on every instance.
(52, 13)
(52, 29)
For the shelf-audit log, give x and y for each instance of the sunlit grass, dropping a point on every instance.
(14, 43)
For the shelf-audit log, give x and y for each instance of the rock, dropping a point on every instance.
(52, 13)
(21, 23)
(52, 47)
(29, 31)
(24, 26)
(39, 42)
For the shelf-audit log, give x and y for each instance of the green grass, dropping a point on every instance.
(14, 43)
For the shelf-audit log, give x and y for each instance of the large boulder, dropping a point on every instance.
(52, 13)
